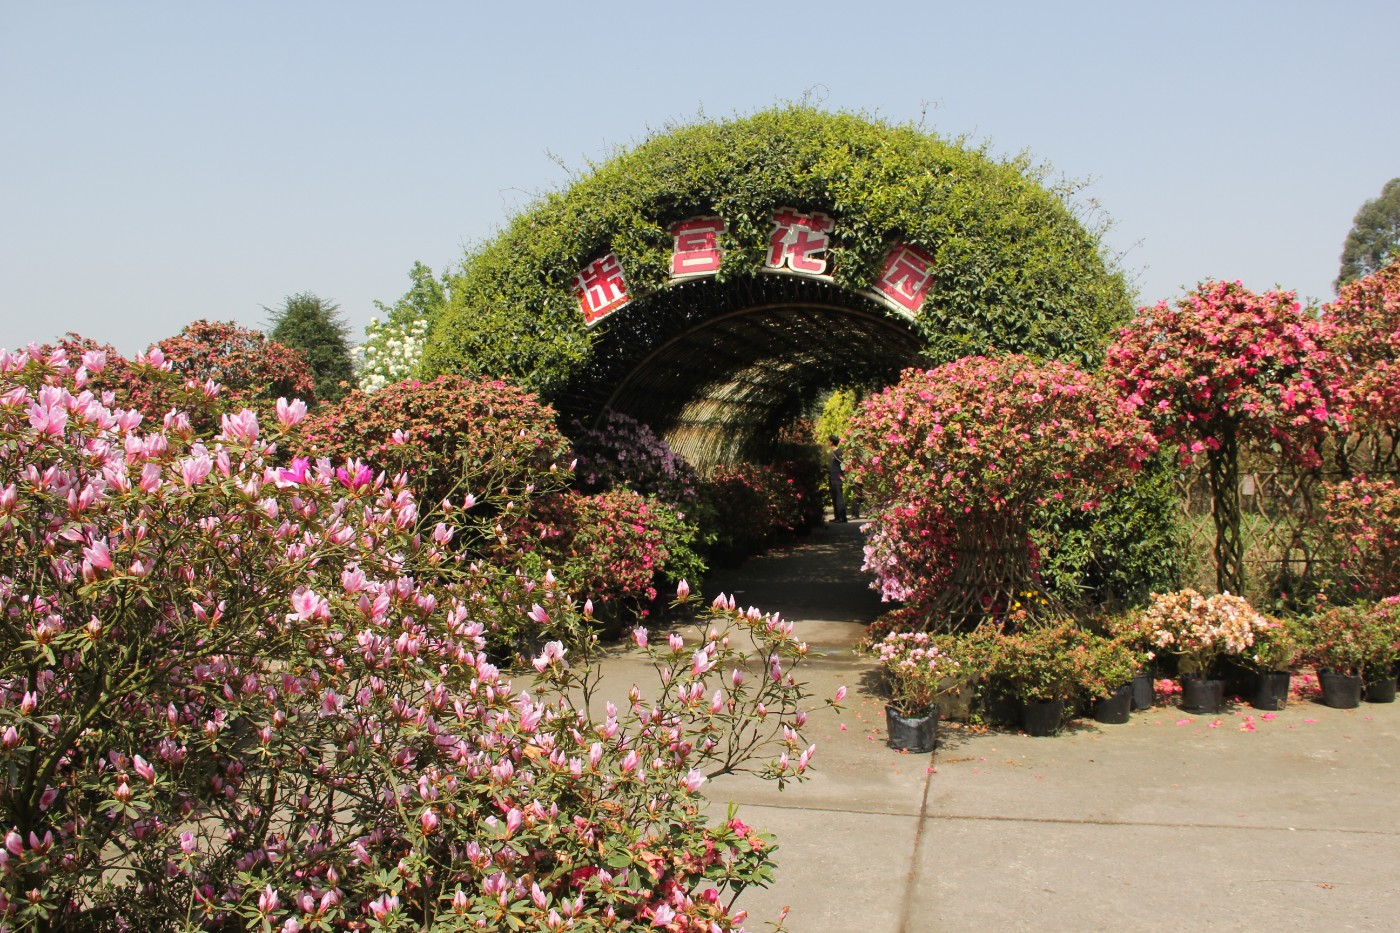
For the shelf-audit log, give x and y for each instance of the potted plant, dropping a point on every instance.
(1135, 632)
(1352, 646)
(917, 672)
(1271, 657)
(1042, 666)
(1107, 669)
(1200, 631)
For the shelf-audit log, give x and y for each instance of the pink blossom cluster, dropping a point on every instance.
(245, 687)
(1225, 362)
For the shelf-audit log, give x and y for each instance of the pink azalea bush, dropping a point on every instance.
(1364, 325)
(622, 453)
(244, 689)
(480, 442)
(1224, 367)
(1362, 517)
(751, 505)
(917, 669)
(958, 459)
(614, 548)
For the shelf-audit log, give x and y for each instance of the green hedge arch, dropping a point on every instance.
(1015, 270)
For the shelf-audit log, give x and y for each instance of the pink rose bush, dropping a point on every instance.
(242, 688)
(966, 454)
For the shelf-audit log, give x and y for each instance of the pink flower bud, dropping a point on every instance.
(9, 740)
(682, 591)
(429, 821)
(639, 635)
(144, 769)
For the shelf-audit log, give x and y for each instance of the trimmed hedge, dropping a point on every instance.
(1016, 272)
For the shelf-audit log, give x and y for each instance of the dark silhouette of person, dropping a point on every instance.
(838, 500)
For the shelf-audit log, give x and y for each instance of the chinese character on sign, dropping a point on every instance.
(798, 240)
(904, 281)
(697, 249)
(600, 289)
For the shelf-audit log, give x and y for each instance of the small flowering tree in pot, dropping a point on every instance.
(917, 672)
(1200, 631)
(976, 446)
(1107, 669)
(1354, 647)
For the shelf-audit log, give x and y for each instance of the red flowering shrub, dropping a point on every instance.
(238, 694)
(750, 504)
(241, 368)
(455, 437)
(1362, 518)
(1226, 366)
(975, 447)
(1365, 320)
(613, 548)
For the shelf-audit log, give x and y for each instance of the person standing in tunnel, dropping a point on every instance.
(834, 480)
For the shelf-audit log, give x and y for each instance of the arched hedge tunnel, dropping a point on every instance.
(720, 367)
(717, 360)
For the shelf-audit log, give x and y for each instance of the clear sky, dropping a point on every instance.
(166, 161)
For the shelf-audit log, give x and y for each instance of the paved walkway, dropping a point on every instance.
(1171, 822)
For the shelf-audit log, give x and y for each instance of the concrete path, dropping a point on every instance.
(1171, 822)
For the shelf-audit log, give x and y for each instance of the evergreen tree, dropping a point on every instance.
(316, 328)
(1374, 239)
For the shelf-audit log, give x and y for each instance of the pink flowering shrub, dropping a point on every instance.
(750, 505)
(1362, 639)
(481, 442)
(916, 669)
(623, 453)
(1362, 518)
(613, 548)
(238, 690)
(1365, 340)
(909, 552)
(961, 458)
(1224, 367)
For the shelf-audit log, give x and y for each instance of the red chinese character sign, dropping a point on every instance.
(905, 278)
(696, 250)
(798, 241)
(600, 289)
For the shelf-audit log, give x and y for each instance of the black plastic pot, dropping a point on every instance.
(911, 735)
(1202, 696)
(1340, 691)
(1380, 691)
(1144, 690)
(1115, 708)
(1272, 690)
(1042, 717)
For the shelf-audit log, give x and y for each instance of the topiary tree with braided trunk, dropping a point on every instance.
(1221, 368)
(980, 444)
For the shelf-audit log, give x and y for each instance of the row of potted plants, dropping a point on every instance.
(1039, 671)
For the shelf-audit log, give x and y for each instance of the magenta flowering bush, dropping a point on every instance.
(242, 690)
(614, 548)
(969, 452)
(751, 505)
(1226, 367)
(622, 453)
(1363, 325)
(481, 443)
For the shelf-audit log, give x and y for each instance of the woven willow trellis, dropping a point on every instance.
(1287, 550)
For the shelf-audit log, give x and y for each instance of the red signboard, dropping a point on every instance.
(697, 249)
(600, 288)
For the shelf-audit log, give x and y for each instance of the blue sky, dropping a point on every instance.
(162, 162)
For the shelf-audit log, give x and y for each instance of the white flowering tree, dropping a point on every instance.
(393, 346)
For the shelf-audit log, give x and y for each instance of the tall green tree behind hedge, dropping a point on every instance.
(1374, 239)
(315, 327)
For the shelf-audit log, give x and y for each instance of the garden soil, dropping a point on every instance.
(1242, 821)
